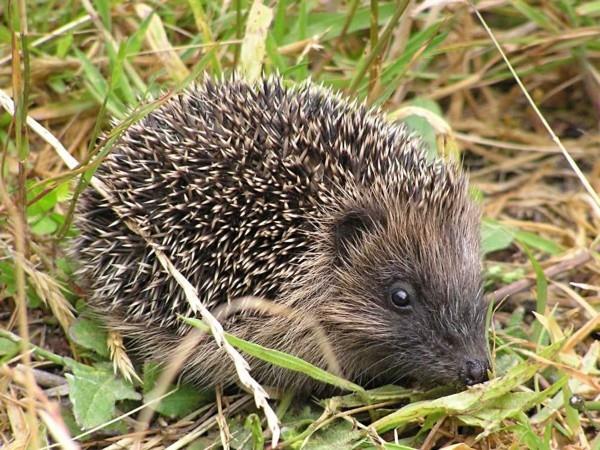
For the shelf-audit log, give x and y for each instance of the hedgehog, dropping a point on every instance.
(294, 194)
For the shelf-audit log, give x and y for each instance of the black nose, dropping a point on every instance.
(475, 372)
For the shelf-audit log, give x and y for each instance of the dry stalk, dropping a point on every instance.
(49, 292)
(48, 411)
(118, 355)
(206, 425)
(224, 432)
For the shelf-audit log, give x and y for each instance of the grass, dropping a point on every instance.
(75, 67)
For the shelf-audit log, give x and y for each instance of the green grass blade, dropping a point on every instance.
(281, 359)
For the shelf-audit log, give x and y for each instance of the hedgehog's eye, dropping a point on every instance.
(401, 295)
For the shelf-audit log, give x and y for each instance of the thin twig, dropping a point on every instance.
(17, 14)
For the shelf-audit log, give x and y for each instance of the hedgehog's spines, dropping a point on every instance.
(241, 185)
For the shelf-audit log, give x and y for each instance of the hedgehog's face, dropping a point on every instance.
(409, 304)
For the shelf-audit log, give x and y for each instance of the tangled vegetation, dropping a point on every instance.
(79, 70)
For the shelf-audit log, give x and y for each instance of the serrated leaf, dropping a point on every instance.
(510, 405)
(89, 334)
(94, 391)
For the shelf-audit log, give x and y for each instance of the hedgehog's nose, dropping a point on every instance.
(475, 372)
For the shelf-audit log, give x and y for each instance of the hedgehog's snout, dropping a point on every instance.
(474, 371)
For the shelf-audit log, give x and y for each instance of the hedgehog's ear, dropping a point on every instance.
(349, 230)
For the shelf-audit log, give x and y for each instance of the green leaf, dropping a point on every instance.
(281, 359)
(538, 242)
(281, 20)
(535, 14)
(497, 236)
(589, 9)
(119, 78)
(241, 437)
(339, 435)
(393, 446)
(93, 391)
(419, 46)
(527, 435)
(134, 42)
(183, 401)
(381, 394)
(7, 277)
(515, 325)
(510, 405)
(43, 225)
(69, 420)
(103, 8)
(98, 87)
(329, 25)
(494, 236)
(296, 421)
(8, 348)
(471, 402)
(422, 127)
(542, 293)
(5, 35)
(63, 45)
(253, 425)
(89, 334)
(275, 58)
(42, 204)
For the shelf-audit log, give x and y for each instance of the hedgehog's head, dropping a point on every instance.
(407, 289)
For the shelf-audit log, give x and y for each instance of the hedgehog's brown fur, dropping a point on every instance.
(296, 195)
